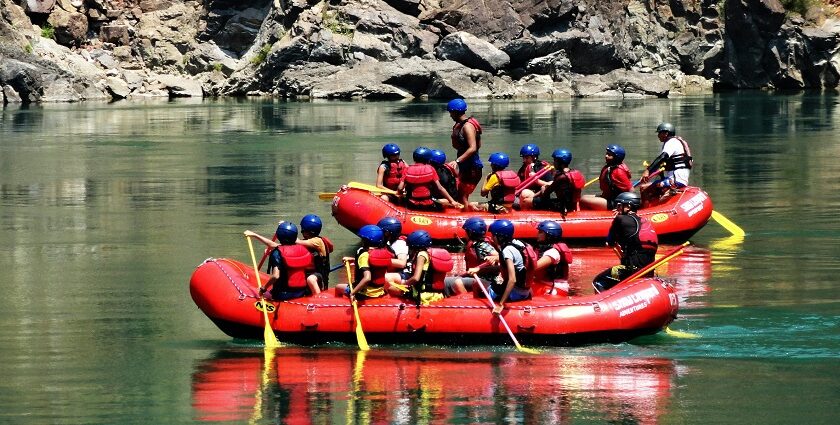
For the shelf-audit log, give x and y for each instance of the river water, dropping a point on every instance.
(105, 211)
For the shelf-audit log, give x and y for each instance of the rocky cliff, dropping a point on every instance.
(71, 50)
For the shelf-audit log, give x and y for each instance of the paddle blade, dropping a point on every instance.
(527, 350)
(370, 187)
(360, 333)
(680, 334)
(268, 333)
(326, 196)
(728, 224)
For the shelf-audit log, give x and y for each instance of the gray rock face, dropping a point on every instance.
(472, 51)
(395, 49)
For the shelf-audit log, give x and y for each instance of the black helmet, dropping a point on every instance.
(666, 126)
(629, 198)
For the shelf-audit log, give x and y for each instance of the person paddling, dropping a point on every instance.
(320, 247)
(391, 170)
(288, 264)
(614, 179)
(675, 158)
(563, 192)
(633, 238)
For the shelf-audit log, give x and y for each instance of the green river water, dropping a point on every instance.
(106, 209)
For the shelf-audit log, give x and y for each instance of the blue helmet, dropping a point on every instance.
(529, 149)
(390, 149)
(552, 229)
(372, 235)
(422, 154)
(311, 223)
(286, 233)
(390, 225)
(499, 159)
(502, 229)
(419, 239)
(563, 155)
(438, 157)
(475, 228)
(457, 105)
(617, 151)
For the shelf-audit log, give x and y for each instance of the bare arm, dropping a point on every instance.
(418, 271)
(268, 242)
(511, 273)
(380, 177)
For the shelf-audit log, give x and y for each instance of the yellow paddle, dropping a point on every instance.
(590, 182)
(360, 333)
(371, 188)
(680, 334)
(268, 333)
(326, 196)
(502, 319)
(728, 224)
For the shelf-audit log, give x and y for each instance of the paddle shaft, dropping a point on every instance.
(527, 182)
(501, 318)
(644, 270)
(638, 182)
(268, 333)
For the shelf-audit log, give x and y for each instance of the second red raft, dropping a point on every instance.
(676, 219)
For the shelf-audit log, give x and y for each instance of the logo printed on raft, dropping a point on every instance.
(695, 204)
(634, 302)
(659, 218)
(422, 221)
(269, 308)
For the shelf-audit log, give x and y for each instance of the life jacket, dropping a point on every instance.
(608, 186)
(505, 191)
(394, 172)
(567, 186)
(379, 260)
(419, 181)
(296, 261)
(322, 262)
(448, 179)
(559, 270)
(459, 142)
(471, 258)
(524, 278)
(681, 160)
(646, 234)
(440, 263)
(536, 167)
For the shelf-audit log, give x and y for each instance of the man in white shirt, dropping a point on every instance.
(675, 158)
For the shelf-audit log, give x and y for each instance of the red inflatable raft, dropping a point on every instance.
(226, 291)
(675, 220)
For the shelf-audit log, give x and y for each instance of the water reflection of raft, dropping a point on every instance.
(434, 386)
(675, 220)
(225, 290)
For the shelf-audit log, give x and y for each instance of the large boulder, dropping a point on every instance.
(70, 26)
(472, 51)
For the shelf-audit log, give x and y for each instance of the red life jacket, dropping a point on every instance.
(559, 270)
(646, 234)
(440, 263)
(297, 260)
(394, 172)
(505, 191)
(419, 181)
(459, 142)
(379, 260)
(609, 189)
(524, 277)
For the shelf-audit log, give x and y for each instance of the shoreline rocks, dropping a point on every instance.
(73, 50)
